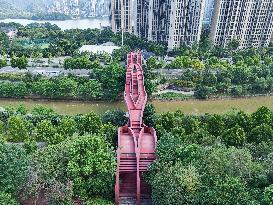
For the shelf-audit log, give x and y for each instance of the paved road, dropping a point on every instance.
(47, 71)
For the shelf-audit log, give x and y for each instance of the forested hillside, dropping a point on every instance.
(47, 9)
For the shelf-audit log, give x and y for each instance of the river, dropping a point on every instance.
(92, 23)
(191, 106)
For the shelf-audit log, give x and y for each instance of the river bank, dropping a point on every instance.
(189, 106)
(91, 23)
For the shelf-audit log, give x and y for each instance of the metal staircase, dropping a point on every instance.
(136, 141)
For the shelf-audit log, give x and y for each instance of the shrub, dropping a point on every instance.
(30, 146)
(98, 201)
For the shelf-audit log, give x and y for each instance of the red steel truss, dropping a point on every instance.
(136, 142)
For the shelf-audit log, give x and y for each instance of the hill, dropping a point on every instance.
(49, 9)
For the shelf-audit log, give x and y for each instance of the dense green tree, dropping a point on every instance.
(91, 166)
(14, 167)
(262, 115)
(11, 89)
(176, 184)
(115, 117)
(121, 54)
(65, 87)
(45, 131)
(149, 115)
(3, 62)
(214, 124)
(204, 92)
(4, 42)
(112, 78)
(51, 182)
(90, 90)
(67, 127)
(268, 195)
(261, 133)
(6, 198)
(88, 123)
(234, 136)
(109, 133)
(19, 62)
(18, 129)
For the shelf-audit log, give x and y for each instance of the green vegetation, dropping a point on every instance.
(207, 159)
(214, 71)
(20, 62)
(77, 163)
(207, 70)
(102, 83)
(172, 96)
(67, 43)
(213, 159)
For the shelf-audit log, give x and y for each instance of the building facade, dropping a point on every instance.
(186, 19)
(122, 15)
(141, 16)
(173, 22)
(159, 20)
(248, 21)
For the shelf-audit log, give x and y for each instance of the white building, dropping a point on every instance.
(249, 21)
(103, 48)
(12, 34)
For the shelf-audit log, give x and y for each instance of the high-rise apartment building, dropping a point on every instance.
(173, 22)
(141, 12)
(249, 21)
(122, 15)
(159, 20)
(185, 22)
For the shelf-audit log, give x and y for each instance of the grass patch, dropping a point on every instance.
(173, 96)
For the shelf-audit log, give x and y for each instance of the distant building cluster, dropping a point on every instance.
(180, 22)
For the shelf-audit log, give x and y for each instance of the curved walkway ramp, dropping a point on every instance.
(136, 142)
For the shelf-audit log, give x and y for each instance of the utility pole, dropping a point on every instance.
(122, 21)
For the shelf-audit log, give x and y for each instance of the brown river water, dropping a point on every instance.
(190, 106)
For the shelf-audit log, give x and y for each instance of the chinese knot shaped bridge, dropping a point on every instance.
(136, 141)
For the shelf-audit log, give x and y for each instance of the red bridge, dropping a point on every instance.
(136, 142)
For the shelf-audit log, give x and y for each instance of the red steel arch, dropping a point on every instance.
(136, 141)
